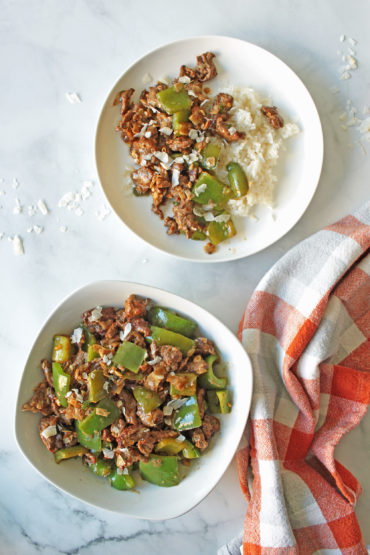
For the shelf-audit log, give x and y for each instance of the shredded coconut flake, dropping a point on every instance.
(346, 75)
(162, 156)
(154, 361)
(126, 331)
(78, 395)
(108, 453)
(164, 79)
(222, 218)
(175, 177)
(200, 189)
(95, 314)
(166, 131)
(50, 431)
(15, 183)
(106, 386)
(107, 359)
(76, 335)
(63, 228)
(184, 79)
(38, 229)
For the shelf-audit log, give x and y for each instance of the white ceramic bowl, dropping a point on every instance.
(298, 170)
(152, 502)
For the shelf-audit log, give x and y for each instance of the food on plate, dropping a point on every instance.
(202, 158)
(132, 389)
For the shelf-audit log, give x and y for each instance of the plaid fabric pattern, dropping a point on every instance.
(306, 330)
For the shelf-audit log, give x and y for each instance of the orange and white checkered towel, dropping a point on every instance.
(306, 330)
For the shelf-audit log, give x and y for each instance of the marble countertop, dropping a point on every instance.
(51, 48)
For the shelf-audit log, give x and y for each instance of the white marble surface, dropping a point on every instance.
(49, 48)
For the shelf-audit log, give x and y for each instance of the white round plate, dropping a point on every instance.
(148, 501)
(298, 171)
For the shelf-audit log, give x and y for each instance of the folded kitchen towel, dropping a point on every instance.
(306, 330)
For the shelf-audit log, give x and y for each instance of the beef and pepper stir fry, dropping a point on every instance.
(175, 135)
(131, 388)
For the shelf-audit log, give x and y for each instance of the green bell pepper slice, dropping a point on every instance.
(149, 400)
(187, 416)
(174, 99)
(102, 467)
(121, 481)
(214, 191)
(91, 353)
(62, 348)
(209, 380)
(198, 236)
(190, 451)
(210, 155)
(160, 470)
(219, 401)
(220, 231)
(189, 381)
(177, 119)
(169, 446)
(237, 179)
(61, 382)
(90, 339)
(130, 356)
(163, 318)
(127, 375)
(166, 337)
(96, 381)
(92, 441)
(96, 422)
(69, 453)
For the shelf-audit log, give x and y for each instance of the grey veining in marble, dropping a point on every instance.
(49, 48)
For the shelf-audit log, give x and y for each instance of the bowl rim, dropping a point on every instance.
(228, 458)
(319, 160)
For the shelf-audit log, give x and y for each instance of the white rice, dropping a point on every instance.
(258, 153)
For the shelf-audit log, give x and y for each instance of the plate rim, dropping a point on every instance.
(319, 159)
(16, 424)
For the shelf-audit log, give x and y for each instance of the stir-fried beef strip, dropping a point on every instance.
(133, 435)
(273, 116)
(204, 71)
